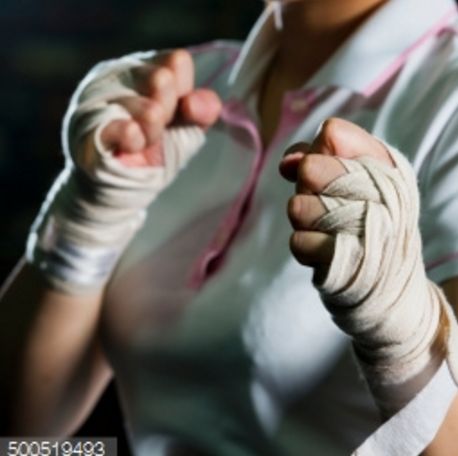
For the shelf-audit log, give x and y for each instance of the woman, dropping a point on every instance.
(218, 338)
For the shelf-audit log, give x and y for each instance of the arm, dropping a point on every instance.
(123, 147)
(360, 233)
(445, 443)
(53, 369)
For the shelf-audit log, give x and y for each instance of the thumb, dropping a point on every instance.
(344, 139)
(201, 107)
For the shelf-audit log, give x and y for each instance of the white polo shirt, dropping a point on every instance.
(218, 340)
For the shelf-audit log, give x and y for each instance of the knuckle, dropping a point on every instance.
(122, 128)
(310, 167)
(180, 58)
(310, 249)
(294, 242)
(161, 78)
(296, 246)
(127, 130)
(332, 128)
(298, 208)
(294, 208)
(151, 113)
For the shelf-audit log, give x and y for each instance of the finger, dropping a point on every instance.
(339, 137)
(148, 113)
(180, 62)
(312, 248)
(163, 89)
(141, 159)
(126, 139)
(123, 136)
(288, 166)
(304, 211)
(315, 172)
(201, 107)
(299, 147)
(154, 154)
(157, 82)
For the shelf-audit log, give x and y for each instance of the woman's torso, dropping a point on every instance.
(245, 358)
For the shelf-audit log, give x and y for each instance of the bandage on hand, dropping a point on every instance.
(132, 124)
(355, 217)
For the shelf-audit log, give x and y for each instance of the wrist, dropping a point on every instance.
(76, 240)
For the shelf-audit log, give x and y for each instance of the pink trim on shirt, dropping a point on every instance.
(211, 79)
(235, 114)
(213, 46)
(442, 260)
(442, 25)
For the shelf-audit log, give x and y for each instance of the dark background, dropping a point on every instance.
(46, 47)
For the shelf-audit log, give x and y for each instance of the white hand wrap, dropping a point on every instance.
(92, 212)
(376, 288)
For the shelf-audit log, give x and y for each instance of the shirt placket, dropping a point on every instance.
(236, 116)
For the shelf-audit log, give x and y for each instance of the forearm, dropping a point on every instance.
(374, 283)
(445, 443)
(118, 159)
(51, 367)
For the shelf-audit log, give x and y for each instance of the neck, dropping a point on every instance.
(319, 26)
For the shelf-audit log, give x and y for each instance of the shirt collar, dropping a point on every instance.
(366, 59)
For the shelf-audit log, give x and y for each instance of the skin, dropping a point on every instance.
(53, 337)
(322, 26)
(314, 166)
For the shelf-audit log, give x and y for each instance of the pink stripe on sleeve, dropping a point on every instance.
(442, 25)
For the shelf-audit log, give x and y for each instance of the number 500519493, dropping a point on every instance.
(54, 447)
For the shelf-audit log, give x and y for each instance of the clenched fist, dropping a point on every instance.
(355, 219)
(132, 125)
(313, 167)
(164, 97)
